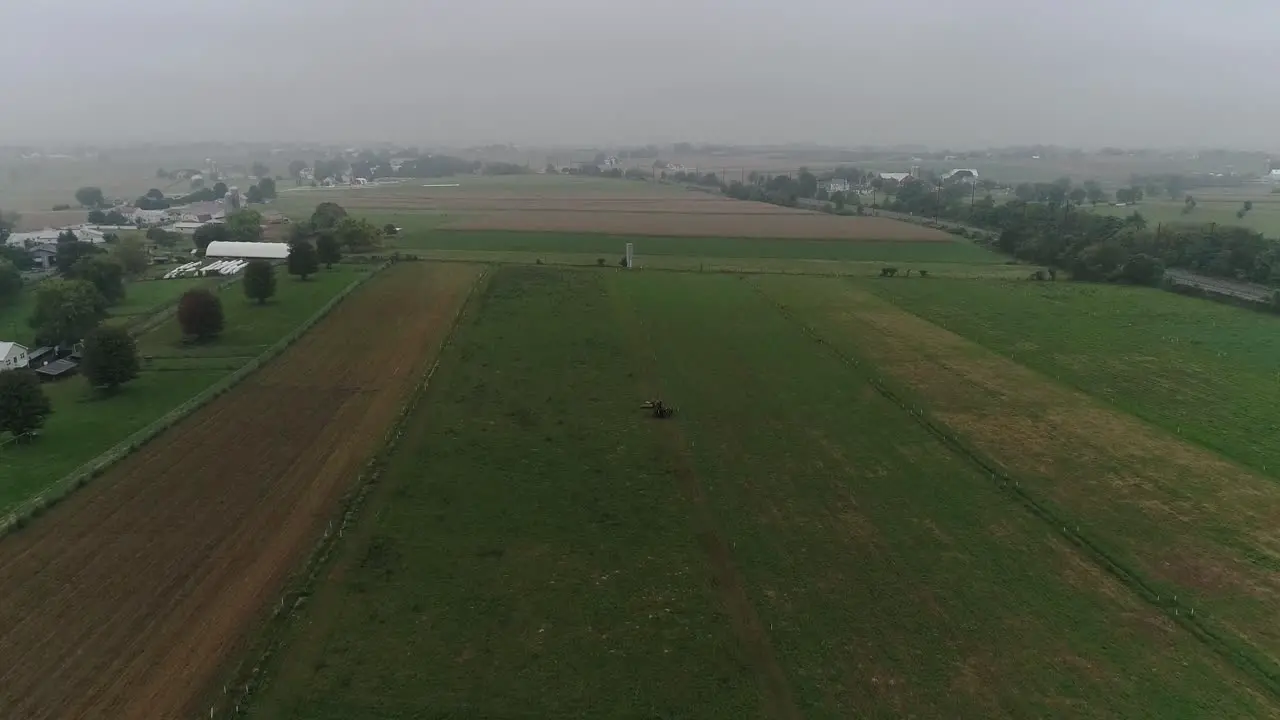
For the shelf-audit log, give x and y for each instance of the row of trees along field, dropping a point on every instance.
(1048, 223)
(155, 199)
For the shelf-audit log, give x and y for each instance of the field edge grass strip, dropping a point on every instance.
(1225, 644)
(238, 693)
(36, 505)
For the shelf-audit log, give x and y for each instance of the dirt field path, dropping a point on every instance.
(126, 600)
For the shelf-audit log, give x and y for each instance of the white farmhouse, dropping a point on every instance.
(12, 356)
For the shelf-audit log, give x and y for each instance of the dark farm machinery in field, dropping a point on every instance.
(659, 409)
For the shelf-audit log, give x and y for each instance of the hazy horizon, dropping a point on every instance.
(983, 73)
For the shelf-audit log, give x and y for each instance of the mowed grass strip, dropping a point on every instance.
(85, 424)
(612, 247)
(1198, 529)
(531, 554)
(1201, 370)
(541, 547)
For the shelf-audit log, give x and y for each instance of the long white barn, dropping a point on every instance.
(250, 250)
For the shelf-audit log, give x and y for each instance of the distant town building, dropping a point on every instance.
(836, 185)
(49, 236)
(961, 175)
(896, 176)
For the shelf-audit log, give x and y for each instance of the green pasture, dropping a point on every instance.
(790, 544)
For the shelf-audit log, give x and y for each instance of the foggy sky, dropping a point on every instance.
(969, 73)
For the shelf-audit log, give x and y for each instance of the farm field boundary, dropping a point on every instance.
(798, 225)
(612, 245)
(239, 692)
(134, 594)
(1227, 644)
(727, 266)
(82, 475)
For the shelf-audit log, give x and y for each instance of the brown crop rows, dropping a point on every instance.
(792, 224)
(128, 599)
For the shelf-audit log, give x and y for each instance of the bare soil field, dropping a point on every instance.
(128, 599)
(39, 220)
(709, 205)
(794, 224)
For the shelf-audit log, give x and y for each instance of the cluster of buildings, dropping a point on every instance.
(48, 362)
(186, 219)
(43, 244)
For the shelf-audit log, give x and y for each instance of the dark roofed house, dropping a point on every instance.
(44, 256)
(39, 357)
(58, 369)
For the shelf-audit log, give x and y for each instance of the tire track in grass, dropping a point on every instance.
(729, 583)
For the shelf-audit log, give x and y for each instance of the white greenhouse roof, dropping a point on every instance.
(265, 250)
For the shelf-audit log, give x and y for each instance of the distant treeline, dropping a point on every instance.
(1045, 223)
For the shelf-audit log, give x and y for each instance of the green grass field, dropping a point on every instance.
(612, 247)
(1264, 217)
(141, 298)
(791, 544)
(251, 328)
(84, 425)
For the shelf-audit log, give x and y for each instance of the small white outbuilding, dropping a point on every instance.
(248, 250)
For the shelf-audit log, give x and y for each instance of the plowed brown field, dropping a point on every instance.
(127, 600)
(796, 224)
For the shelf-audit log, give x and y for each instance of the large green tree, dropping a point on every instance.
(200, 314)
(20, 257)
(357, 234)
(70, 251)
(245, 226)
(90, 197)
(66, 311)
(302, 259)
(328, 251)
(259, 281)
(213, 232)
(131, 253)
(23, 404)
(327, 215)
(267, 187)
(10, 281)
(110, 358)
(106, 274)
